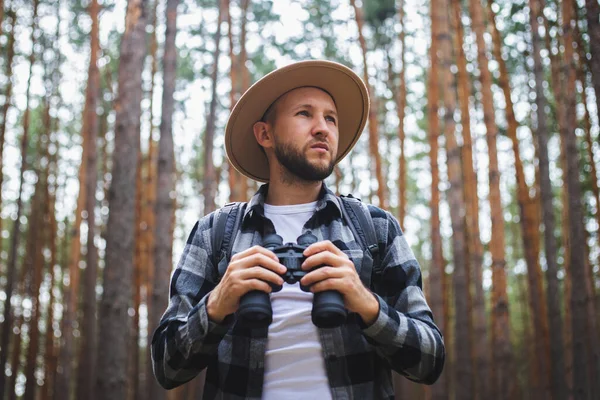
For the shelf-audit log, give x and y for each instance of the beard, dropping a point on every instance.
(298, 166)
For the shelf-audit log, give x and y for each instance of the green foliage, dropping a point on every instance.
(376, 12)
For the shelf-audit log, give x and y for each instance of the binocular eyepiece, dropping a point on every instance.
(255, 310)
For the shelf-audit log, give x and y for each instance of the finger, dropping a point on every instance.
(324, 258)
(321, 274)
(260, 273)
(254, 250)
(260, 259)
(337, 284)
(324, 245)
(256, 284)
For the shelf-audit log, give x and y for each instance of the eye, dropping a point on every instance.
(303, 112)
(331, 118)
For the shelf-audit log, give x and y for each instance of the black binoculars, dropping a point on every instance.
(255, 310)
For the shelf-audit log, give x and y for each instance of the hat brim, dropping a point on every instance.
(345, 87)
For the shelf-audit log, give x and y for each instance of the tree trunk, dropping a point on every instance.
(557, 86)
(16, 228)
(373, 124)
(209, 187)
(86, 373)
(529, 227)
(400, 108)
(234, 177)
(437, 276)
(149, 207)
(594, 339)
(480, 342)
(166, 182)
(138, 262)
(10, 53)
(557, 369)
(593, 25)
(501, 357)
(113, 317)
(463, 383)
(50, 356)
(146, 380)
(38, 226)
(581, 382)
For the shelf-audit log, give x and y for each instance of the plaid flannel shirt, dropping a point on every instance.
(358, 358)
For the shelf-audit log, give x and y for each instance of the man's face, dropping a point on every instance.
(305, 133)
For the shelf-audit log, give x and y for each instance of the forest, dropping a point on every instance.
(483, 140)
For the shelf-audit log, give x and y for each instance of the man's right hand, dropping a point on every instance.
(251, 269)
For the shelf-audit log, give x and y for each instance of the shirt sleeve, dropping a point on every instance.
(186, 340)
(404, 332)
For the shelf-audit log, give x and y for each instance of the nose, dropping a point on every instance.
(320, 126)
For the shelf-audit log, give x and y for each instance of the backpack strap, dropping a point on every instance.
(225, 225)
(358, 218)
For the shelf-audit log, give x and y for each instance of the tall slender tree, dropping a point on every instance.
(16, 228)
(557, 370)
(480, 340)
(37, 223)
(373, 123)
(86, 368)
(209, 186)
(592, 320)
(501, 351)
(529, 221)
(113, 316)
(10, 53)
(463, 382)
(401, 110)
(437, 276)
(166, 181)
(578, 300)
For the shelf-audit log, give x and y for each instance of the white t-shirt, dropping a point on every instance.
(294, 365)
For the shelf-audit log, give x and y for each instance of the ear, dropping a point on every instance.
(263, 134)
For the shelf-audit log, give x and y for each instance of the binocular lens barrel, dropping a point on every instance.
(255, 309)
(328, 309)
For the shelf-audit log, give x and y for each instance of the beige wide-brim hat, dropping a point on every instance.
(345, 87)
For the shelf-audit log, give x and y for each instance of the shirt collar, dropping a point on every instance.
(257, 202)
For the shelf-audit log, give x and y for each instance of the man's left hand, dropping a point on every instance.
(338, 273)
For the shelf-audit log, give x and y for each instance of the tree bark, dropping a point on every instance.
(10, 53)
(578, 300)
(480, 342)
(209, 187)
(557, 87)
(234, 177)
(148, 220)
(114, 321)
(501, 356)
(16, 228)
(86, 372)
(50, 352)
(166, 182)
(530, 230)
(593, 338)
(400, 108)
(557, 369)
(373, 123)
(463, 383)
(437, 276)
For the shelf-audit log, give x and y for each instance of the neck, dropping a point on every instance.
(283, 193)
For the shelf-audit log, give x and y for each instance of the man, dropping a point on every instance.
(290, 129)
